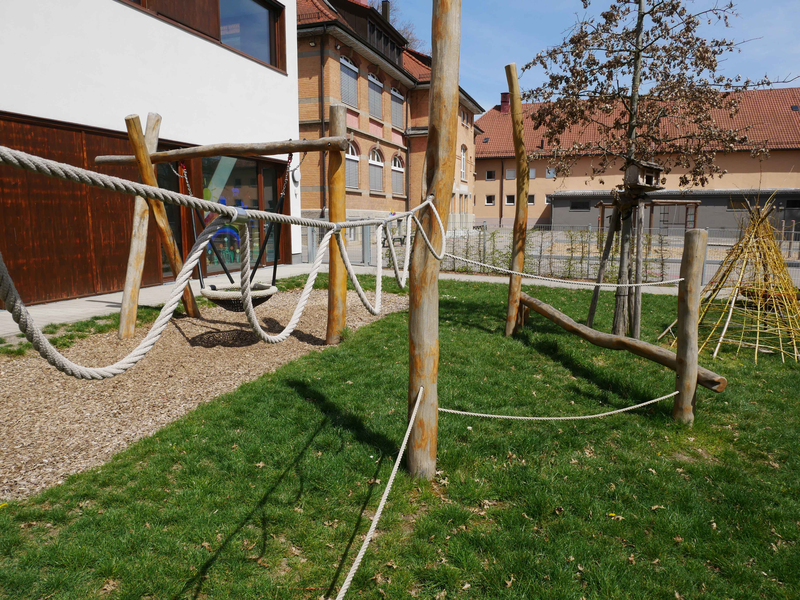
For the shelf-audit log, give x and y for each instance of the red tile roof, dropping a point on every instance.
(315, 11)
(417, 64)
(768, 113)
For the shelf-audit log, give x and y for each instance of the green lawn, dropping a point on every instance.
(267, 492)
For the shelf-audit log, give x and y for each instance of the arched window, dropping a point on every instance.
(351, 160)
(397, 108)
(398, 175)
(463, 163)
(349, 77)
(375, 97)
(375, 170)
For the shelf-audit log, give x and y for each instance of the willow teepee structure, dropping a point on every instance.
(751, 302)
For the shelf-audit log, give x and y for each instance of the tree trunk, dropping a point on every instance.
(620, 326)
(601, 268)
(636, 325)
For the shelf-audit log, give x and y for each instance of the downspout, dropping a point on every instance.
(322, 118)
(502, 197)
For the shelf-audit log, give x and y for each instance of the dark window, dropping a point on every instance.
(490, 175)
(531, 199)
(510, 200)
(793, 204)
(253, 28)
(489, 200)
(579, 205)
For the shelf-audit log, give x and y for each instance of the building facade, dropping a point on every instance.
(770, 115)
(215, 70)
(350, 54)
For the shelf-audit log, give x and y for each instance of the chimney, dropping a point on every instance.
(386, 9)
(505, 103)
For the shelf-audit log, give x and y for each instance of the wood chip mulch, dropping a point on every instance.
(52, 425)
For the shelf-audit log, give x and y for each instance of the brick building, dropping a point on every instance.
(772, 116)
(349, 53)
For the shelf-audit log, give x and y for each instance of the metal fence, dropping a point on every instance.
(559, 251)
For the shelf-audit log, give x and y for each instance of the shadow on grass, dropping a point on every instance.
(240, 335)
(196, 582)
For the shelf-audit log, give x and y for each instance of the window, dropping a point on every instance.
(397, 108)
(375, 170)
(375, 97)
(579, 206)
(489, 200)
(398, 175)
(531, 199)
(463, 163)
(351, 160)
(349, 86)
(511, 173)
(254, 28)
(510, 200)
(551, 173)
(547, 199)
(531, 173)
(792, 204)
(490, 175)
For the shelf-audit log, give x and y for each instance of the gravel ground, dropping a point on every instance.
(52, 425)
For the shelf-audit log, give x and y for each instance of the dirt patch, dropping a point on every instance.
(52, 425)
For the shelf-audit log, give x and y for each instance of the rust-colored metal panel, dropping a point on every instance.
(200, 15)
(112, 218)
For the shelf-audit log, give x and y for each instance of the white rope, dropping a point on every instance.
(20, 314)
(357, 562)
(556, 280)
(247, 300)
(515, 418)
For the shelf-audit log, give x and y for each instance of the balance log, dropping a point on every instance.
(662, 356)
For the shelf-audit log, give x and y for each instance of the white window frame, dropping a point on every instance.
(376, 102)
(531, 199)
(347, 64)
(486, 200)
(375, 160)
(398, 100)
(463, 163)
(493, 177)
(352, 158)
(531, 173)
(398, 166)
(513, 199)
(512, 172)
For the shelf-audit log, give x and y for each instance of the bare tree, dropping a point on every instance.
(640, 83)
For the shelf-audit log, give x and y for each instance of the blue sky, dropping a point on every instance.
(494, 34)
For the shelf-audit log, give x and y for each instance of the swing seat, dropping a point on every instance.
(231, 298)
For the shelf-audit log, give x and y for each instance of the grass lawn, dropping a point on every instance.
(267, 492)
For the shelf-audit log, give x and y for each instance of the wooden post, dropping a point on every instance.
(601, 223)
(650, 231)
(694, 249)
(423, 319)
(601, 268)
(521, 214)
(636, 317)
(791, 241)
(620, 325)
(337, 212)
(136, 256)
(159, 212)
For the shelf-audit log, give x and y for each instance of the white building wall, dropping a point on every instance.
(92, 62)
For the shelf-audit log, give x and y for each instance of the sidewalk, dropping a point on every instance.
(80, 309)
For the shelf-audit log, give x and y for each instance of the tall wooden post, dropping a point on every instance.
(521, 214)
(636, 317)
(136, 256)
(601, 268)
(694, 250)
(620, 325)
(159, 212)
(423, 320)
(337, 212)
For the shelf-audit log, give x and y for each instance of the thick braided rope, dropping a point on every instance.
(579, 418)
(20, 314)
(374, 310)
(556, 280)
(51, 168)
(401, 279)
(359, 557)
(301, 304)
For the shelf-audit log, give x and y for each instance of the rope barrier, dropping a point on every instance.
(556, 280)
(578, 418)
(359, 557)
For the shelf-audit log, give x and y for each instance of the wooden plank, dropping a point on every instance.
(138, 248)
(423, 322)
(662, 356)
(694, 251)
(159, 213)
(254, 149)
(337, 212)
(521, 213)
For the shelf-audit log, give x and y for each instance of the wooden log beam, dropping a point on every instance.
(694, 251)
(254, 149)
(159, 212)
(337, 213)
(423, 320)
(662, 356)
(138, 250)
(521, 213)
